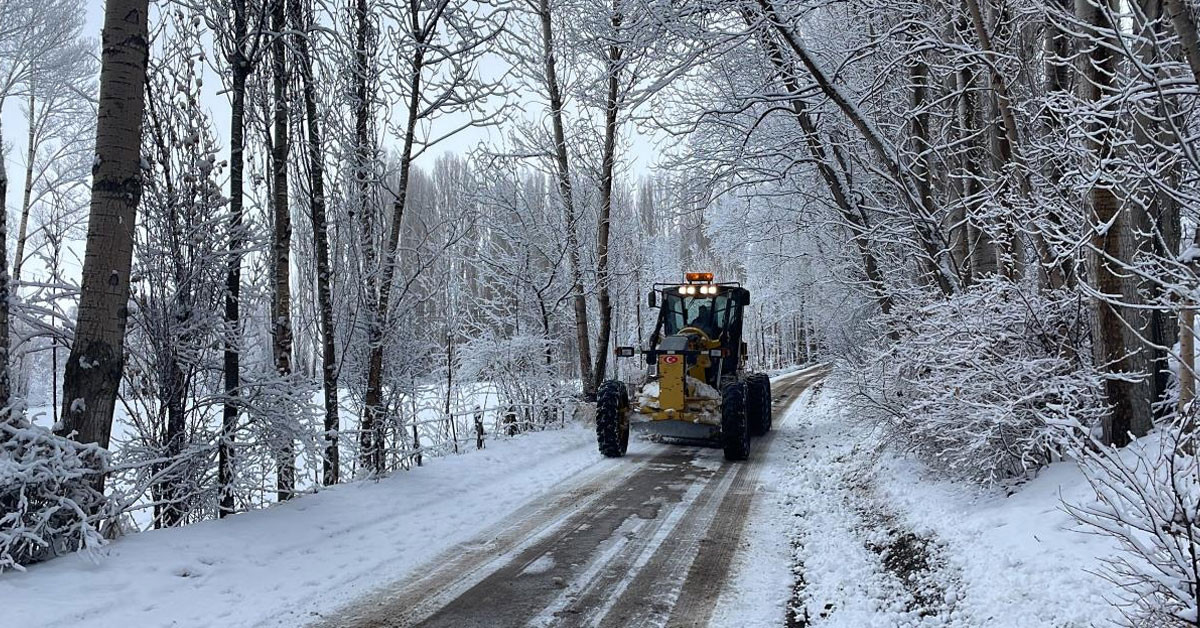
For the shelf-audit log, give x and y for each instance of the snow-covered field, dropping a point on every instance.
(287, 564)
(846, 533)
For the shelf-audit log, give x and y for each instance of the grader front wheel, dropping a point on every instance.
(612, 426)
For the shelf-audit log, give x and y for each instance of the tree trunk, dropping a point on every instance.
(1057, 52)
(1184, 24)
(240, 68)
(316, 181)
(1187, 356)
(1109, 234)
(563, 172)
(5, 377)
(981, 251)
(93, 371)
(23, 227)
(281, 294)
(608, 163)
(373, 409)
(1157, 221)
(173, 511)
(836, 178)
(368, 439)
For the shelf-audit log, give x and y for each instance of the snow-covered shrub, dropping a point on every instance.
(48, 501)
(1148, 499)
(985, 384)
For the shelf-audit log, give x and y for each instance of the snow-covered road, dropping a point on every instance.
(646, 543)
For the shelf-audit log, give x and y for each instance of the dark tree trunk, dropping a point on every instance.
(281, 294)
(316, 180)
(5, 377)
(831, 170)
(233, 278)
(373, 410)
(1109, 247)
(563, 174)
(607, 165)
(369, 436)
(30, 156)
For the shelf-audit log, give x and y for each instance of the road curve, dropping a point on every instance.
(648, 543)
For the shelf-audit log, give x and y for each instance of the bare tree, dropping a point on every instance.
(439, 47)
(242, 42)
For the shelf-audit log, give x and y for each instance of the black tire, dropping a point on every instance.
(612, 424)
(758, 403)
(735, 428)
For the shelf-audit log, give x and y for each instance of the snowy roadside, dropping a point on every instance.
(289, 563)
(847, 533)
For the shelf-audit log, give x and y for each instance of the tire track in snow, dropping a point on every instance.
(855, 561)
(646, 543)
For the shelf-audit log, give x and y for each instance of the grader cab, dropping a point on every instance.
(696, 386)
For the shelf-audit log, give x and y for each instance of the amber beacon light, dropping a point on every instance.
(698, 276)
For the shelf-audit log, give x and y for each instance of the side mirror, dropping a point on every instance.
(625, 352)
(653, 299)
(743, 297)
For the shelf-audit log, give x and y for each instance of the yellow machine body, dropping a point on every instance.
(682, 394)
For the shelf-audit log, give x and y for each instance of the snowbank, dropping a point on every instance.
(846, 533)
(285, 565)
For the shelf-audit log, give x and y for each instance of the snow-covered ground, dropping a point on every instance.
(846, 533)
(841, 532)
(289, 563)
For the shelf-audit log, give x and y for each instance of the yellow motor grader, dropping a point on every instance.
(696, 387)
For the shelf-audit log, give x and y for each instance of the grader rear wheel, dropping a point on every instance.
(758, 403)
(735, 429)
(612, 425)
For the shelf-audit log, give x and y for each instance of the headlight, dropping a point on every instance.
(683, 290)
(691, 289)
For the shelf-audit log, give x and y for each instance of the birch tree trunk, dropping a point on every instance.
(93, 371)
(316, 182)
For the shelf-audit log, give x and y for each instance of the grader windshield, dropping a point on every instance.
(712, 314)
(715, 309)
